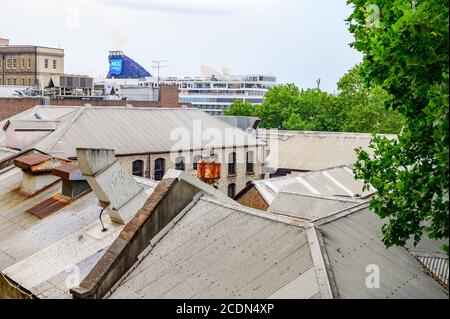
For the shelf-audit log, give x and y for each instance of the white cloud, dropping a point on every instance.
(199, 7)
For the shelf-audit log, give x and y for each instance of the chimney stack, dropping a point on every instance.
(4, 42)
(73, 181)
(37, 171)
(116, 189)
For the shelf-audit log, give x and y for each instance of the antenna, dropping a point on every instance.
(318, 83)
(158, 64)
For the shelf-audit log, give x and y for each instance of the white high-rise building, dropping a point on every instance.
(215, 91)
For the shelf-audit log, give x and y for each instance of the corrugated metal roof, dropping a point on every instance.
(36, 253)
(221, 251)
(308, 207)
(6, 152)
(438, 265)
(138, 130)
(312, 151)
(353, 243)
(333, 182)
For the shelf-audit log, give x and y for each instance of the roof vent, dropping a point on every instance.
(73, 181)
(116, 190)
(37, 171)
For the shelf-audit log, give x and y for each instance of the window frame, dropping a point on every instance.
(135, 171)
(159, 170)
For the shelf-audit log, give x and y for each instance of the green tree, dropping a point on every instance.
(241, 108)
(405, 47)
(363, 108)
(280, 102)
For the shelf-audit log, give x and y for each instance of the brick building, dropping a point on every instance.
(147, 141)
(27, 65)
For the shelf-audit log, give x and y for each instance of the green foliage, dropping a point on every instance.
(407, 55)
(241, 108)
(364, 107)
(355, 109)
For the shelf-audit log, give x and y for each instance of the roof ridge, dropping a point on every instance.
(321, 263)
(325, 197)
(340, 214)
(61, 131)
(259, 213)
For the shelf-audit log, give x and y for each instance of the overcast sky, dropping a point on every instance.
(298, 41)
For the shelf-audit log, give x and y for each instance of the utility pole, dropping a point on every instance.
(158, 64)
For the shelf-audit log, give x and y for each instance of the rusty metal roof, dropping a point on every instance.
(39, 162)
(35, 253)
(54, 204)
(69, 171)
(25, 162)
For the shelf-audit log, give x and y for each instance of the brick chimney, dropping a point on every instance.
(169, 96)
(4, 41)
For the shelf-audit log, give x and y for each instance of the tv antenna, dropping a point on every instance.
(159, 64)
(318, 81)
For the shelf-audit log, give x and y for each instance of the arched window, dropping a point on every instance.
(232, 164)
(195, 162)
(250, 162)
(160, 167)
(138, 168)
(232, 190)
(179, 164)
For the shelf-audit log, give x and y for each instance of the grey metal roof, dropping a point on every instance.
(311, 151)
(6, 152)
(36, 253)
(225, 251)
(353, 242)
(308, 207)
(134, 130)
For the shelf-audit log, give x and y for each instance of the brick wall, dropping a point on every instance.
(12, 106)
(252, 198)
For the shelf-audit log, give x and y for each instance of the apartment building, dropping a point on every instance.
(28, 65)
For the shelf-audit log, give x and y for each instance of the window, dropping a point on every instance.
(232, 164)
(14, 64)
(29, 63)
(54, 64)
(8, 81)
(7, 63)
(29, 82)
(46, 63)
(197, 159)
(232, 190)
(250, 162)
(22, 64)
(179, 164)
(138, 168)
(160, 166)
(23, 82)
(14, 81)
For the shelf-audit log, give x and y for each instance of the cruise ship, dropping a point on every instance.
(214, 91)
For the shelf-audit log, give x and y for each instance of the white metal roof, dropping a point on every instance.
(332, 182)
